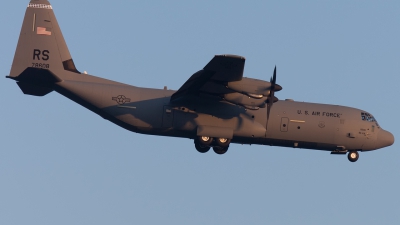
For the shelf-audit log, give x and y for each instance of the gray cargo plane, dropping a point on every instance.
(215, 107)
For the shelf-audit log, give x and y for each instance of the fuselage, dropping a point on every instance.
(291, 123)
(216, 106)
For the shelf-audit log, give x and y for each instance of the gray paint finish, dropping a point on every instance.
(215, 107)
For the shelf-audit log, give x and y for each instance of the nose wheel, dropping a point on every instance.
(353, 156)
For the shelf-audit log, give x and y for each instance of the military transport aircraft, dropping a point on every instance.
(215, 107)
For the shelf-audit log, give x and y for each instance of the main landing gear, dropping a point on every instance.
(220, 145)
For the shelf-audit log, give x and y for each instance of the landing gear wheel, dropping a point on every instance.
(204, 141)
(201, 148)
(220, 150)
(353, 156)
(222, 142)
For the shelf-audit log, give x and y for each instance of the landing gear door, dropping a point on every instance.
(168, 117)
(284, 124)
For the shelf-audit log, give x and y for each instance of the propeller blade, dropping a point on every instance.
(274, 77)
(271, 98)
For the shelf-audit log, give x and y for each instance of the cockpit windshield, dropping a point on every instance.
(367, 117)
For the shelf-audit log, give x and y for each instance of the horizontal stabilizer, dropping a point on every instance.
(31, 89)
(37, 82)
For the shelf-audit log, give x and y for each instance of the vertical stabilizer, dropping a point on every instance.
(41, 45)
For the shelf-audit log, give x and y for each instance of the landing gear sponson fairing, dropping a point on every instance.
(217, 106)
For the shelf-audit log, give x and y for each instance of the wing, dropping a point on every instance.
(213, 77)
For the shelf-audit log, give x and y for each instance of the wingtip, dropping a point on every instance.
(231, 56)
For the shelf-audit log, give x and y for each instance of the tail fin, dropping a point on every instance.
(42, 57)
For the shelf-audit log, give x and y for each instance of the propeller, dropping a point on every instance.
(271, 97)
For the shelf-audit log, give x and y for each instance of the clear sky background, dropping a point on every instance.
(62, 164)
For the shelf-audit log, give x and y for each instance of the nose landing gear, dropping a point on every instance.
(353, 156)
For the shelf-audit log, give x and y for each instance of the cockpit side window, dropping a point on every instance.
(367, 117)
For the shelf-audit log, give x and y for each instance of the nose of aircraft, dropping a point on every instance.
(385, 138)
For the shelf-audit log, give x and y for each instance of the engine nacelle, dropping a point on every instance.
(244, 100)
(252, 87)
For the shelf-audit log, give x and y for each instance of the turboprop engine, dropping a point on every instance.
(245, 100)
(250, 93)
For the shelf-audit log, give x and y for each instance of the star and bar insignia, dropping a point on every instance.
(121, 99)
